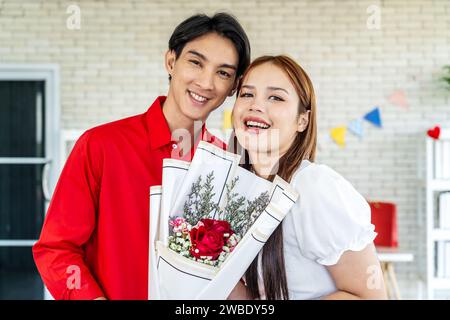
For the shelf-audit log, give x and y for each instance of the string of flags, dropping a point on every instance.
(398, 98)
(356, 126)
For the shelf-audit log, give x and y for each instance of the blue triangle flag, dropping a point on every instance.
(374, 117)
(356, 127)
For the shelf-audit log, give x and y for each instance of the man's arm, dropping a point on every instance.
(69, 223)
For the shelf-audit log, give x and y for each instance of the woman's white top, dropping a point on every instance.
(329, 218)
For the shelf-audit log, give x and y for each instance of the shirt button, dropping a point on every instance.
(174, 146)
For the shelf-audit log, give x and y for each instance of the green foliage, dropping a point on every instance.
(240, 212)
(446, 77)
(199, 204)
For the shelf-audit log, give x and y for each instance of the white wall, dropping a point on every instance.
(113, 67)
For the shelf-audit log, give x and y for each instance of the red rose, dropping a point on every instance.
(220, 226)
(208, 239)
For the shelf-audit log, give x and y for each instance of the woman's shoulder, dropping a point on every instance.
(311, 174)
(330, 216)
(321, 183)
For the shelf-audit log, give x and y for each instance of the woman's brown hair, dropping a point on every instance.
(303, 147)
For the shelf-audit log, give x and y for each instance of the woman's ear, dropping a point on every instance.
(170, 61)
(303, 121)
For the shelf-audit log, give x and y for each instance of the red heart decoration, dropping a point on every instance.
(434, 133)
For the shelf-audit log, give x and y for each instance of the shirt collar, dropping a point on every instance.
(158, 129)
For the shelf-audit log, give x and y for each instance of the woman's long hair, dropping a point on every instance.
(303, 147)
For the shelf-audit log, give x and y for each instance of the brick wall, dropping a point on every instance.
(113, 67)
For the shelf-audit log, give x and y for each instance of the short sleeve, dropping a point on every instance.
(331, 217)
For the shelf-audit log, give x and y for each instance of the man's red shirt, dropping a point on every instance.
(94, 241)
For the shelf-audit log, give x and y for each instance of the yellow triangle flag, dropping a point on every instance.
(338, 135)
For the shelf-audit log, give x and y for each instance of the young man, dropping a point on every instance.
(94, 242)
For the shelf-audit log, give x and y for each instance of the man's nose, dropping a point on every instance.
(205, 80)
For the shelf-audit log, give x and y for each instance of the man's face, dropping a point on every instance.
(203, 75)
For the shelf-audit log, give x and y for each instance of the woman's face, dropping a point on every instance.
(265, 115)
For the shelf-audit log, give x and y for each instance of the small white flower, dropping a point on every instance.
(199, 224)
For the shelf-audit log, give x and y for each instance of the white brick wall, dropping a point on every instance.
(113, 67)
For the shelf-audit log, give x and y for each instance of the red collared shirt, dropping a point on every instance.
(94, 241)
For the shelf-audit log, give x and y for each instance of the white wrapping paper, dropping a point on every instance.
(172, 276)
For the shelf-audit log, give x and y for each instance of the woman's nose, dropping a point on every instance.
(257, 107)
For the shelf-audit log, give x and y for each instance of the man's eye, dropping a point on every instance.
(197, 63)
(225, 74)
(276, 98)
(245, 95)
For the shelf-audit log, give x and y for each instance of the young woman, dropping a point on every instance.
(324, 247)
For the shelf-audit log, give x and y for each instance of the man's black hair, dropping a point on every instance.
(221, 23)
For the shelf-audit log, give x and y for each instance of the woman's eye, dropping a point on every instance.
(245, 95)
(276, 98)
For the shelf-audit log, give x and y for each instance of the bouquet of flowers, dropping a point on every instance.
(208, 221)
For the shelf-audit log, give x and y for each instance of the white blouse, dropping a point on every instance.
(329, 218)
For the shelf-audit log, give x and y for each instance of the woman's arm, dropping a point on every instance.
(239, 292)
(358, 275)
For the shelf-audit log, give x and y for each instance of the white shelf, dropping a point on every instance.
(441, 234)
(441, 283)
(432, 150)
(439, 185)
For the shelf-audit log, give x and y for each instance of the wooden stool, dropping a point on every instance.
(388, 256)
(390, 280)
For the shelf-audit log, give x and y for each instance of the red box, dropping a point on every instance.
(384, 218)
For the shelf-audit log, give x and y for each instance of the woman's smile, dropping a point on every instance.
(255, 125)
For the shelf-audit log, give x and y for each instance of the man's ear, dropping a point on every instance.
(235, 86)
(170, 61)
(303, 121)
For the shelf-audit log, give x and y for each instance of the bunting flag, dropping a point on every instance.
(374, 117)
(338, 135)
(398, 98)
(356, 127)
(227, 119)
